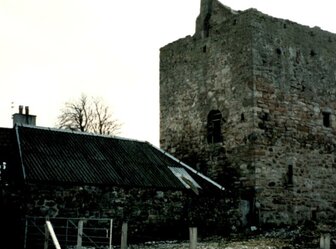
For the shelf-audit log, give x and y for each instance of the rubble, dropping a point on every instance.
(258, 243)
(306, 236)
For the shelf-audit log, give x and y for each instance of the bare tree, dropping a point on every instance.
(88, 115)
(103, 123)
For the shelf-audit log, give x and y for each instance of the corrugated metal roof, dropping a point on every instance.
(60, 156)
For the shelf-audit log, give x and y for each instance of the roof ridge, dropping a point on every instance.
(79, 132)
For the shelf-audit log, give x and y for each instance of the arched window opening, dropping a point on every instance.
(214, 127)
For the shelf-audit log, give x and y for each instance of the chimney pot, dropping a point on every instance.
(24, 119)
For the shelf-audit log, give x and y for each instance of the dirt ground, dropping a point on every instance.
(277, 239)
(248, 244)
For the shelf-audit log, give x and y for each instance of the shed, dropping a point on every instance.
(47, 172)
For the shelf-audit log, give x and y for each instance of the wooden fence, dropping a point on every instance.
(70, 232)
(77, 233)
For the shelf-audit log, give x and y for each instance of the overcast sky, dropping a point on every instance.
(51, 51)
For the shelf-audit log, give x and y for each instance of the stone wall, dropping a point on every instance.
(202, 74)
(295, 79)
(198, 75)
(273, 81)
(150, 213)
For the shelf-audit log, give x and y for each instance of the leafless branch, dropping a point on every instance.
(88, 115)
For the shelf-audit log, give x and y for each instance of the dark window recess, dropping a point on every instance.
(204, 49)
(242, 117)
(271, 184)
(326, 119)
(206, 25)
(290, 175)
(264, 116)
(314, 214)
(214, 127)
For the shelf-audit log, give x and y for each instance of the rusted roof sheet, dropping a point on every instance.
(60, 156)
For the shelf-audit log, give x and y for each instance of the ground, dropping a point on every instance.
(285, 238)
(248, 244)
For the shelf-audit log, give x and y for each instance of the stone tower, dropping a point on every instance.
(250, 101)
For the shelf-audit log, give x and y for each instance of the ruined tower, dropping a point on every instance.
(250, 101)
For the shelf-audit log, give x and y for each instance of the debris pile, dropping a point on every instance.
(305, 236)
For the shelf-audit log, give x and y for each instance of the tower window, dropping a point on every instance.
(206, 25)
(314, 214)
(326, 119)
(242, 117)
(214, 127)
(290, 175)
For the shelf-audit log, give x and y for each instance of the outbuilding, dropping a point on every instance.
(53, 173)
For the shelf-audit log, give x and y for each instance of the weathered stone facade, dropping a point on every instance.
(152, 214)
(268, 85)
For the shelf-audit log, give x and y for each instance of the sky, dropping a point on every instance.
(52, 51)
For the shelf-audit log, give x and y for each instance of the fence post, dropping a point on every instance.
(26, 234)
(111, 227)
(193, 237)
(46, 236)
(53, 235)
(325, 241)
(124, 229)
(80, 234)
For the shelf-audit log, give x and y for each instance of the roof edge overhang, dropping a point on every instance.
(102, 185)
(212, 182)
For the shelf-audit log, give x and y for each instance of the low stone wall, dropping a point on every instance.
(151, 214)
(146, 210)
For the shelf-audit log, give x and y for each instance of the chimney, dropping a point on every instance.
(24, 119)
(20, 109)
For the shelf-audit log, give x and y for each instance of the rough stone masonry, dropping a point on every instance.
(250, 100)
